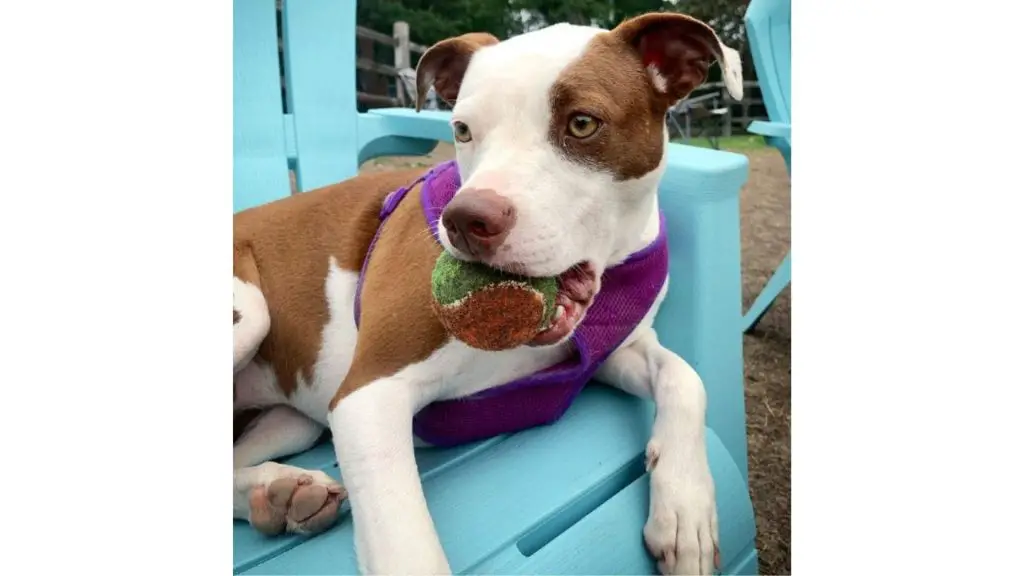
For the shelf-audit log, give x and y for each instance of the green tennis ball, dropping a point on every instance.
(489, 309)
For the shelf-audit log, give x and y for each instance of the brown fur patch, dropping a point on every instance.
(284, 248)
(237, 316)
(495, 318)
(444, 65)
(609, 82)
(680, 47)
(397, 325)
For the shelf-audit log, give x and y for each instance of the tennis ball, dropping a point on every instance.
(489, 309)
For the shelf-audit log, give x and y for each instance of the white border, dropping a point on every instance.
(907, 304)
(907, 314)
(115, 233)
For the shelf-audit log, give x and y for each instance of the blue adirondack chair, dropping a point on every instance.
(570, 498)
(767, 23)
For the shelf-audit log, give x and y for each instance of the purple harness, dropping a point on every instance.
(627, 292)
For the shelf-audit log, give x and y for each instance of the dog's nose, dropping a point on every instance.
(478, 221)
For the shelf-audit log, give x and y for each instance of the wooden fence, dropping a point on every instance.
(739, 112)
(379, 84)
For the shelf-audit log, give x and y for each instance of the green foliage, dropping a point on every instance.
(601, 13)
(433, 20)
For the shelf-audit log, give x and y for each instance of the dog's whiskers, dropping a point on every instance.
(428, 231)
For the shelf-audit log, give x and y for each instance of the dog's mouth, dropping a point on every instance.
(577, 287)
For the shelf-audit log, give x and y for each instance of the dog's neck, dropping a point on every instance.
(638, 233)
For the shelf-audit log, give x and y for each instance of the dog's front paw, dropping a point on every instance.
(682, 527)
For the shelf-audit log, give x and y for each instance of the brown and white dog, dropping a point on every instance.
(565, 128)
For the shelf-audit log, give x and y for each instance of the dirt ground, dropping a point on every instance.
(765, 236)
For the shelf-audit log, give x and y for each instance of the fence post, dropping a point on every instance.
(370, 82)
(400, 32)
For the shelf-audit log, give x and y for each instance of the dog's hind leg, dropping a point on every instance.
(251, 316)
(275, 498)
(278, 432)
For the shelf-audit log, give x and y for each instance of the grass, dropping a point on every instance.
(739, 143)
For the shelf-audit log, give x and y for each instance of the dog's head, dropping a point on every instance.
(560, 140)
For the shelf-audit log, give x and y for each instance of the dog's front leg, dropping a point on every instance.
(682, 525)
(372, 429)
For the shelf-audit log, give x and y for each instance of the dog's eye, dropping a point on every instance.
(462, 133)
(583, 126)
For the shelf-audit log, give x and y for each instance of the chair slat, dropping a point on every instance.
(780, 38)
(768, 29)
(260, 164)
(320, 55)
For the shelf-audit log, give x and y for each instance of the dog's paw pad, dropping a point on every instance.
(300, 505)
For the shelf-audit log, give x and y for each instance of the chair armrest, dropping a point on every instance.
(692, 170)
(700, 316)
(766, 128)
(426, 124)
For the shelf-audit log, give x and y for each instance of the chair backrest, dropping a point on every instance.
(768, 33)
(312, 130)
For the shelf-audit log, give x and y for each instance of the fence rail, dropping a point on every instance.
(739, 112)
(388, 40)
(380, 84)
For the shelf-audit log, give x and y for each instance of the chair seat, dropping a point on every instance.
(567, 498)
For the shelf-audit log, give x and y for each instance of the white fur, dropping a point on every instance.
(567, 213)
(682, 526)
(732, 72)
(254, 323)
(373, 441)
(262, 475)
(279, 431)
(336, 348)
(256, 384)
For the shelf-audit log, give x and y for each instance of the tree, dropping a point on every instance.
(600, 13)
(725, 16)
(433, 20)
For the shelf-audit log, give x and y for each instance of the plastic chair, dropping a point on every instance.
(322, 137)
(768, 30)
(569, 498)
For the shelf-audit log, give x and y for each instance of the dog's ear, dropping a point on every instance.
(677, 50)
(444, 64)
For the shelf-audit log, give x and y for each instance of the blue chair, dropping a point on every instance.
(767, 23)
(321, 136)
(570, 498)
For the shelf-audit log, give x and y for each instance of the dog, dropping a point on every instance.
(560, 143)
